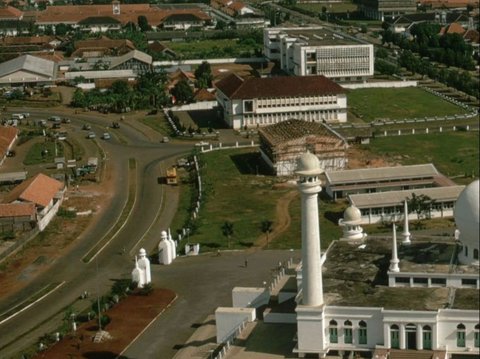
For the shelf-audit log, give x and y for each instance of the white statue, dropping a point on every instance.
(173, 245)
(141, 273)
(164, 249)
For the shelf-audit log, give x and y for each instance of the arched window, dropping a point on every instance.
(394, 336)
(333, 330)
(475, 253)
(461, 335)
(347, 332)
(362, 332)
(477, 336)
(427, 337)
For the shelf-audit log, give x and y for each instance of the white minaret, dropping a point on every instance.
(308, 169)
(394, 261)
(405, 233)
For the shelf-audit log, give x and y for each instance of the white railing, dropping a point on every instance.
(230, 340)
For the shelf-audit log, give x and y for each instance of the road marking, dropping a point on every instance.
(31, 304)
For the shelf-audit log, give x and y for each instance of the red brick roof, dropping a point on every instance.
(453, 28)
(104, 42)
(472, 36)
(27, 40)
(281, 86)
(39, 190)
(7, 135)
(9, 12)
(17, 210)
(204, 95)
(128, 13)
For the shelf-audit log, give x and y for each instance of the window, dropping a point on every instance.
(439, 281)
(477, 336)
(467, 282)
(395, 336)
(427, 337)
(461, 336)
(333, 331)
(420, 281)
(402, 280)
(347, 332)
(248, 106)
(362, 332)
(466, 251)
(475, 253)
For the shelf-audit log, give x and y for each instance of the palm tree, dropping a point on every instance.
(266, 227)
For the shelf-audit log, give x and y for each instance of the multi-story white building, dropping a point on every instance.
(264, 101)
(317, 51)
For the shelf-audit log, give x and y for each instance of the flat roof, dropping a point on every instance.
(381, 174)
(389, 198)
(356, 277)
(13, 176)
(317, 36)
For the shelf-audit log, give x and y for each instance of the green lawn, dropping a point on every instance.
(331, 8)
(453, 153)
(212, 48)
(233, 192)
(410, 102)
(159, 124)
(36, 154)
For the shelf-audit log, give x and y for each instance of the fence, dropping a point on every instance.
(204, 105)
(231, 60)
(381, 84)
(221, 146)
(223, 348)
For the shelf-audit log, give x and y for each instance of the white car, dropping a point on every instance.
(202, 143)
(91, 135)
(106, 136)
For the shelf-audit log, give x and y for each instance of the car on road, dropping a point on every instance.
(86, 127)
(202, 143)
(165, 139)
(56, 119)
(115, 124)
(91, 135)
(106, 136)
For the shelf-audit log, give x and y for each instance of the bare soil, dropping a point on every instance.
(128, 319)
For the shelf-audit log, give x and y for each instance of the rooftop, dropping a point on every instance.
(316, 36)
(357, 277)
(28, 63)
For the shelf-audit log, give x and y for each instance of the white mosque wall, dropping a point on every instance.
(310, 329)
(245, 297)
(433, 280)
(447, 322)
(284, 296)
(285, 318)
(227, 320)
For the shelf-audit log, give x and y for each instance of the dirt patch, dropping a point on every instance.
(361, 158)
(128, 319)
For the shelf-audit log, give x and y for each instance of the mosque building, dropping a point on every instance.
(382, 298)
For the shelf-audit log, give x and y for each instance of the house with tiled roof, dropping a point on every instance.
(10, 13)
(448, 4)
(257, 102)
(44, 192)
(101, 18)
(14, 216)
(8, 136)
(102, 47)
(204, 95)
(283, 143)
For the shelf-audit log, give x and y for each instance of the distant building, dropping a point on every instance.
(283, 143)
(317, 51)
(256, 102)
(379, 9)
(102, 47)
(370, 180)
(14, 216)
(137, 61)
(27, 70)
(448, 4)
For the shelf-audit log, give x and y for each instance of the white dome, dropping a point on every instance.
(467, 214)
(142, 252)
(352, 214)
(163, 234)
(308, 164)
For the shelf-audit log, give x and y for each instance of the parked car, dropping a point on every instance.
(115, 124)
(86, 127)
(26, 114)
(56, 119)
(56, 125)
(106, 136)
(91, 135)
(165, 139)
(65, 120)
(18, 116)
(201, 144)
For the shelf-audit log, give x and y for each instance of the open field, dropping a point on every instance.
(159, 124)
(331, 7)
(454, 154)
(43, 152)
(410, 102)
(212, 48)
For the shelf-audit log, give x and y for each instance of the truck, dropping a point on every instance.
(172, 176)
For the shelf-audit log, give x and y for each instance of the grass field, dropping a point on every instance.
(43, 153)
(233, 192)
(159, 124)
(454, 154)
(371, 104)
(340, 7)
(211, 48)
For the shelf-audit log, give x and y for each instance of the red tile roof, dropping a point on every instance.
(17, 210)
(281, 86)
(27, 40)
(9, 12)
(128, 13)
(39, 190)
(204, 95)
(472, 36)
(7, 135)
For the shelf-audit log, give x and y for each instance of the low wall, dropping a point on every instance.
(287, 318)
(381, 84)
(231, 60)
(204, 105)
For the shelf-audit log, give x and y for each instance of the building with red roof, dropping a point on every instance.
(264, 101)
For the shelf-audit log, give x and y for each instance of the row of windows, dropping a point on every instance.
(296, 101)
(348, 332)
(475, 252)
(461, 334)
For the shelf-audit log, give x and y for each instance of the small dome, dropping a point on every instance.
(142, 252)
(352, 214)
(308, 164)
(467, 214)
(163, 234)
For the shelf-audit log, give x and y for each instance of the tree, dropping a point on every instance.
(152, 86)
(266, 227)
(62, 29)
(183, 92)
(204, 76)
(227, 230)
(143, 23)
(421, 205)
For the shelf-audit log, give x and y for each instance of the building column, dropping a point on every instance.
(402, 336)
(419, 337)
(434, 336)
(386, 333)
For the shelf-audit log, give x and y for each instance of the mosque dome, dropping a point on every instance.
(352, 214)
(308, 165)
(467, 214)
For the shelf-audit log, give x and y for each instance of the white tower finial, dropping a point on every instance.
(405, 233)
(308, 168)
(394, 261)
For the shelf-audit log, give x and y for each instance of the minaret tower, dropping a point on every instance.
(309, 185)
(405, 233)
(394, 261)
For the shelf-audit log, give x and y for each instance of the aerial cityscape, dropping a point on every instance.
(239, 179)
